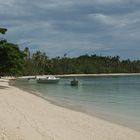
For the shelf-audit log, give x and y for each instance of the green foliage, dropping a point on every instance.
(15, 62)
(11, 58)
(39, 63)
(36, 64)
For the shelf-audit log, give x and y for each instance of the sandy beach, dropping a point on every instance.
(24, 116)
(98, 75)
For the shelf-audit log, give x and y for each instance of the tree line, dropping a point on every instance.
(13, 61)
(39, 63)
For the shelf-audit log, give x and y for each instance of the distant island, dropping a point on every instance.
(15, 62)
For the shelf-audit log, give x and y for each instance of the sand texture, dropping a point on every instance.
(24, 116)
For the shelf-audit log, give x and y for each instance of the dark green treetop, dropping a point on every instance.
(11, 58)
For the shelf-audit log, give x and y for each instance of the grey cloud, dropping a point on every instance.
(107, 26)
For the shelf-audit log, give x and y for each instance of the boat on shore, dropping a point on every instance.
(47, 79)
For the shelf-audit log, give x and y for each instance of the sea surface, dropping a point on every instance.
(113, 98)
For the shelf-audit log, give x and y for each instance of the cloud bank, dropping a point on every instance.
(74, 27)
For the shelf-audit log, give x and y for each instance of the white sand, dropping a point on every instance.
(103, 74)
(24, 116)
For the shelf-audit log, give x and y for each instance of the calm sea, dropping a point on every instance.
(114, 98)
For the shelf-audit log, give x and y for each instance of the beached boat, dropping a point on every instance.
(74, 82)
(47, 79)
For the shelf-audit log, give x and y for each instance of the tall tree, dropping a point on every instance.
(11, 58)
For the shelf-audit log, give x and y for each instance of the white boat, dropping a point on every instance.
(47, 79)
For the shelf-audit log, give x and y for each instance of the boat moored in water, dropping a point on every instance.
(47, 79)
(74, 82)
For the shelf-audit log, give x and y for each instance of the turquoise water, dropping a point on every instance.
(114, 98)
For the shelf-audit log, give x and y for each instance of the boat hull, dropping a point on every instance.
(74, 83)
(52, 81)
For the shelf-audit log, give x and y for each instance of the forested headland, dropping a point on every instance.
(14, 61)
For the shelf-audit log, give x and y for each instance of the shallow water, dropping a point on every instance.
(115, 98)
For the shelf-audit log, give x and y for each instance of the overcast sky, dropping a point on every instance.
(75, 27)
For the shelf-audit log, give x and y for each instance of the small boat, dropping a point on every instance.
(74, 82)
(48, 79)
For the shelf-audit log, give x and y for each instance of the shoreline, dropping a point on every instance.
(102, 116)
(102, 74)
(84, 75)
(36, 118)
(121, 120)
